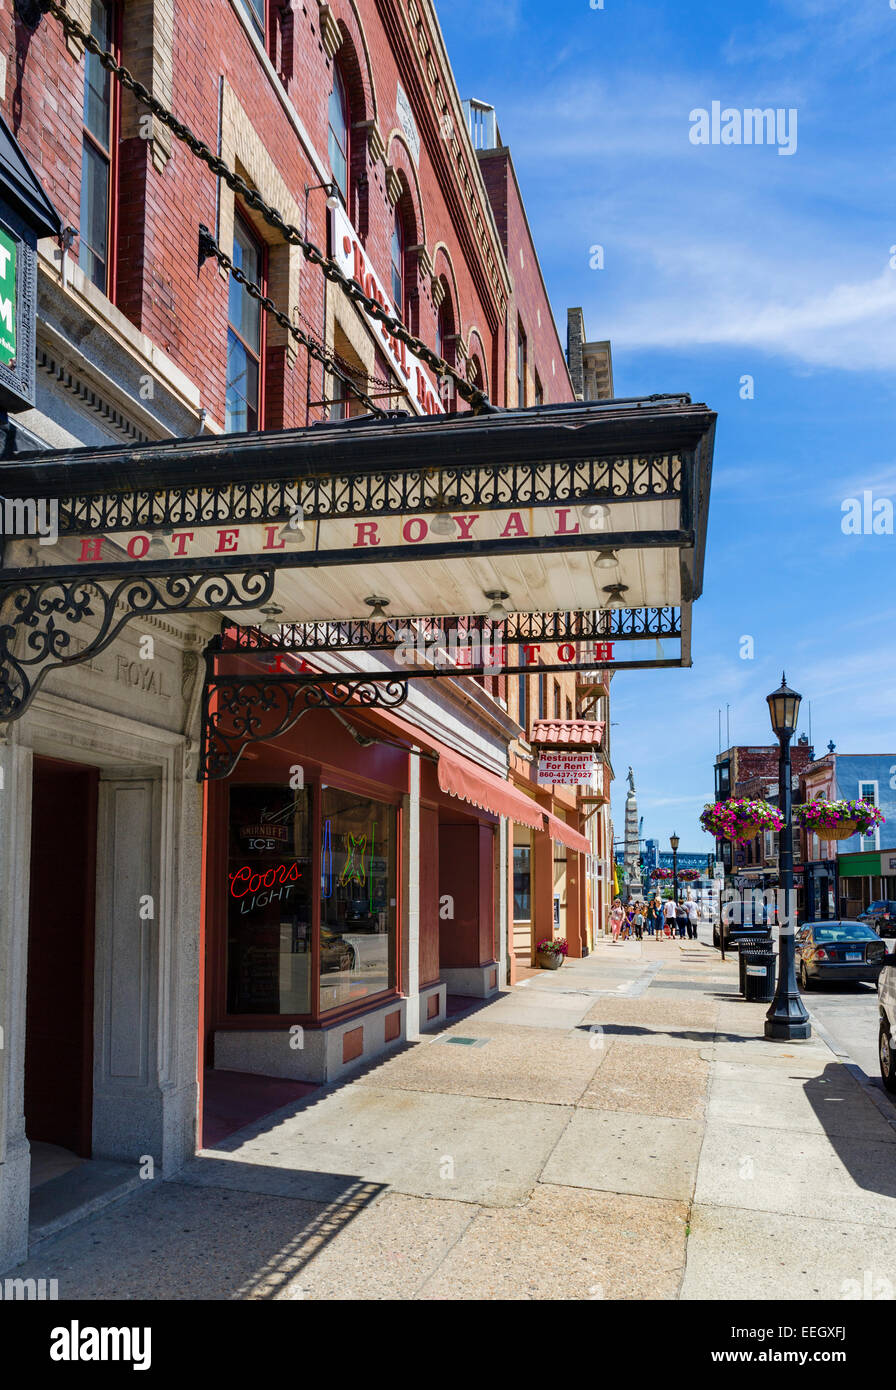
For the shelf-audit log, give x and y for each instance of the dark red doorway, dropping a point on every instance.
(59, 1023)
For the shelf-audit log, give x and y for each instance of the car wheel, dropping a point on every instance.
(805, 982)
(887, 1057)
(351, 958)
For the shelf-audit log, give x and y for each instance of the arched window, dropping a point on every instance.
(338, 134)
(398, 265)
(446, 349)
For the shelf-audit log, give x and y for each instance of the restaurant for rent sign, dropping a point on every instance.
(7, 299)
(565, 769)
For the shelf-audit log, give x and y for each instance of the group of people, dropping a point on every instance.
(655, 918)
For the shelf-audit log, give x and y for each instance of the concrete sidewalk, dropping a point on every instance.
(617, 1129)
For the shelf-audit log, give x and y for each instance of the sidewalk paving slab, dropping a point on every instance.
(651, 1081)
(567, 1243)
(737, 1254)
(611, 1151)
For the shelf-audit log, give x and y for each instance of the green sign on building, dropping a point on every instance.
(7, 299)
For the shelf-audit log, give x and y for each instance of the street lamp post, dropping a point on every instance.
(787, 1018)
(674, 842)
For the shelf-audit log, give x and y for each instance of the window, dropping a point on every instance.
(868, 792)
(269, 901)
(338, 400)
(445, 349)
(98, 155)
(569, 709)
(522, 883)
(539, 390)
(522, 717)
(245, 330)
(337, 136)
(256, 11)
(556, 699)
(520, 366)
(398, 267)
(357, 897)
(542, 696)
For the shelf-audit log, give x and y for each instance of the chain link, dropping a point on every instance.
(476, 399)
(314, 350)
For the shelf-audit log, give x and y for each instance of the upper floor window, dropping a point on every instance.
(539, 390)
(398, 265)
(256, 9)
(96, 255)
(338, 133)
(245, 333)
(520, 366)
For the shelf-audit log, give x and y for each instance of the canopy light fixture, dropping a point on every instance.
(606, 559)
(377, 606)
(497, 613)
(293, 533)
(158, 546)
(443, 524)
(597, 515)
(615, 592)
(271, 625)
(333, 199)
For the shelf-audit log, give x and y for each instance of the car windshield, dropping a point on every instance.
(843, 931)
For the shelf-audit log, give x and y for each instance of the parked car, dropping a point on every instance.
(839, 951)
(880, 916)
(886, 1002)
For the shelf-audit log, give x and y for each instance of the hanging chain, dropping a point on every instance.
(476, 399)
(314, 350)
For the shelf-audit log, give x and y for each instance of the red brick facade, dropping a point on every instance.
(270, 120)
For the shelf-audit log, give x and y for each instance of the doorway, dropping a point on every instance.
(59, 1017)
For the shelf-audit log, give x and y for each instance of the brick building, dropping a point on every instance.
(744, 771)
(345, 118)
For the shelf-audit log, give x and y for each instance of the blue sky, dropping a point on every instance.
(722, 261)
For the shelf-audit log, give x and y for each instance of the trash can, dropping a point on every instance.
(759, 972)
(749, 943)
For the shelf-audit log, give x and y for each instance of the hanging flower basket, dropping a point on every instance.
(688, 875)
(660, 873)
(740, 818)
(839, 820)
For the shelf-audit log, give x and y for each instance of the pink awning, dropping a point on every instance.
(461, 778)
(559, 830)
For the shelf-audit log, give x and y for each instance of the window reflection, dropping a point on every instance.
(357, 897)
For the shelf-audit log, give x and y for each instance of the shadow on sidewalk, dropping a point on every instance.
(863, 1155)
(704, 1035)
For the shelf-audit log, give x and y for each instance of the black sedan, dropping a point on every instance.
(838, 951)
(880, 916)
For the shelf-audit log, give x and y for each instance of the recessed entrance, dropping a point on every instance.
(59, 1021)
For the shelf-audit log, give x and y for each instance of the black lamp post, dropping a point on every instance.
(786, 1018)
(674, 842)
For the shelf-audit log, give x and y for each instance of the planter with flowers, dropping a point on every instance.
(661, 873)
(740, 818)
(550, 953)
(688, 875)
(839, 820)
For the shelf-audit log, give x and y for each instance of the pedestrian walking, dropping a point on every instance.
(693, 918)
(628, 924)
(653, 918)
(669, 916)
(681, 919)
(638, 921)
(616, 918)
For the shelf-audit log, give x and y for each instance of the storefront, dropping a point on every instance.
(865, 878)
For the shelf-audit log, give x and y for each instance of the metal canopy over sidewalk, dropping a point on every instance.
(437, 515)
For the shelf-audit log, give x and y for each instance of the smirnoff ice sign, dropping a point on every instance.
(350, 256)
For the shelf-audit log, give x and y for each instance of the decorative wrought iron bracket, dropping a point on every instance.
(39, 618)
(240, 710)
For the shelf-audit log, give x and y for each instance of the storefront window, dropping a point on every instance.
(357, 898)
(269, 900)
(522, 884)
